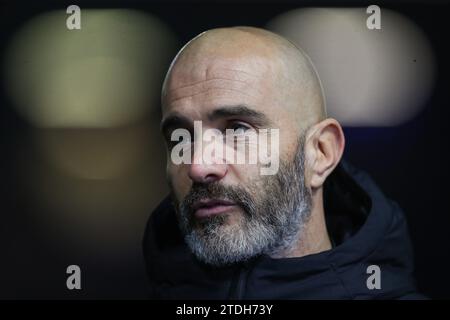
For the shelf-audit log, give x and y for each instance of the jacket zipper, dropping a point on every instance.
(238, 282)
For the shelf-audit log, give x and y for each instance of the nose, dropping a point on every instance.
(203, 172)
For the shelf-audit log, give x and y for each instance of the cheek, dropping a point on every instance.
(243, 175)
(179, 181)
(288, 142)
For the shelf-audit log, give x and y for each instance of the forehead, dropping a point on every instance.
(200, 85)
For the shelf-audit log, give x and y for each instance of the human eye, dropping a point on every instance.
(179, 136)
(239, 126)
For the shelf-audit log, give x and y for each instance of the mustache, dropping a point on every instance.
(218, 191)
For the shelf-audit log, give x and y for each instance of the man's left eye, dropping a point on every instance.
(239, 126)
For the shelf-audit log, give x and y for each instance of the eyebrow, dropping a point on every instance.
(177, 120)
(241, 111)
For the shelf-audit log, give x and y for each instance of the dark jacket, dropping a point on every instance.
(366, 229)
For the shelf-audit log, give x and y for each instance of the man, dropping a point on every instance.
(314, 229)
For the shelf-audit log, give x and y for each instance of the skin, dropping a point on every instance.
(228, 67)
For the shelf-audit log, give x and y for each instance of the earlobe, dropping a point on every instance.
(326, 147)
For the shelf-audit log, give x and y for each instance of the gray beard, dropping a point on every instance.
(272, 223)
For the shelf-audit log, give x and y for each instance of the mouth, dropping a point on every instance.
(206, 208)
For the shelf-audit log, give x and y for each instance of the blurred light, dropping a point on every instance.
(93, 191)
(95, 167)
(370, 77)
(107, 74)
(95, 153)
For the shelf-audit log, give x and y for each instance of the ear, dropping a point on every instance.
(324, 147)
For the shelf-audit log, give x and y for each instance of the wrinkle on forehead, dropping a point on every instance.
(216, 78)
(205, 87)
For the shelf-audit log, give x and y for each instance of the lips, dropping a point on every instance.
(210, 207)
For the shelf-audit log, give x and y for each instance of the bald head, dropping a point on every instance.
(253, 53)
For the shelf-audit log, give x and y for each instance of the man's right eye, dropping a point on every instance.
(172, 143)
(239, 126)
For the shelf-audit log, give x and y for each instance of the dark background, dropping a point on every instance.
(409, 162)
